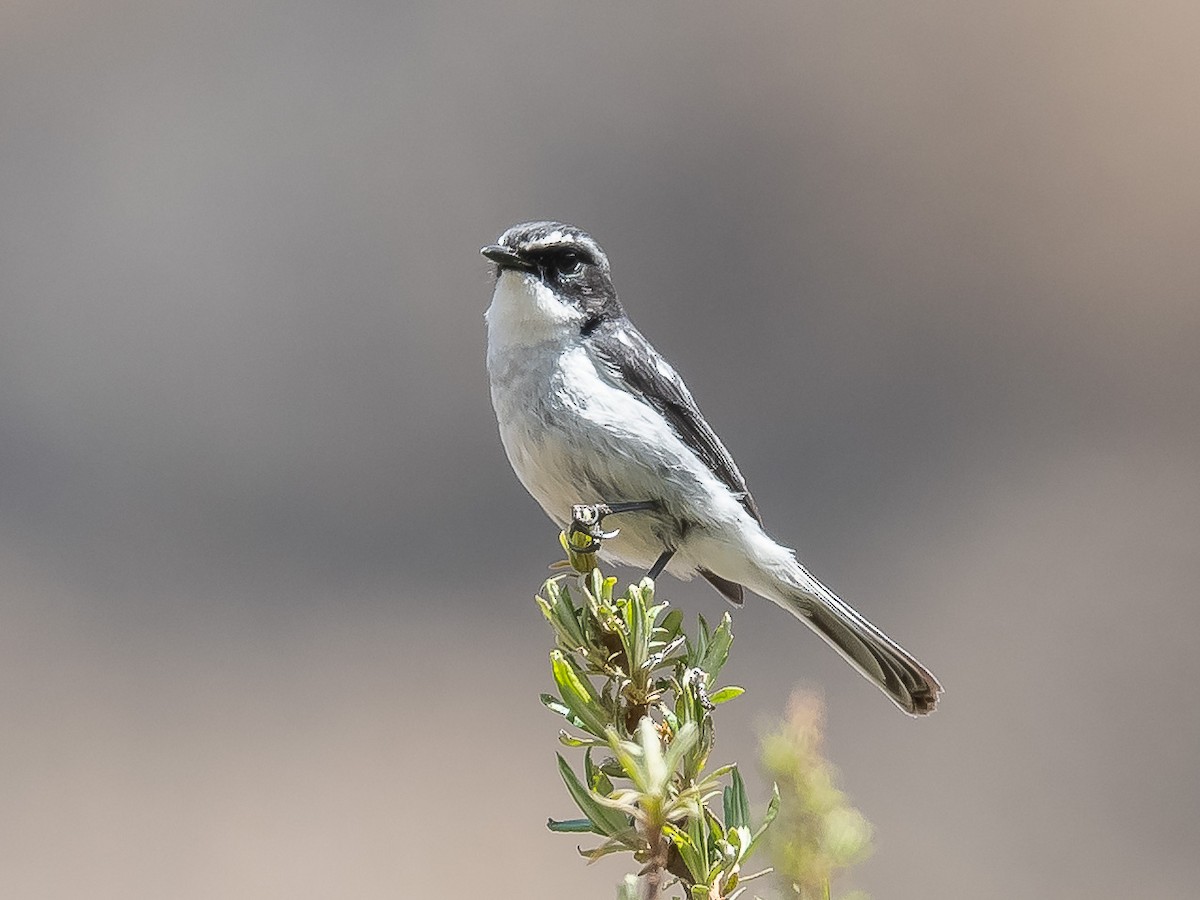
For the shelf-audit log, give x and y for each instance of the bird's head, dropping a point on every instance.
(552, 273)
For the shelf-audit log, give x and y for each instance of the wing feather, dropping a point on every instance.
(622, 349)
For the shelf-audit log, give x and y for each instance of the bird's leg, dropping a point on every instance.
(630, 506)
(587, 519)
(660, 564)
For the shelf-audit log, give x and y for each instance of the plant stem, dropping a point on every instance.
(652, 878)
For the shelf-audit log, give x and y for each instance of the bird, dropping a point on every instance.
(590, 413)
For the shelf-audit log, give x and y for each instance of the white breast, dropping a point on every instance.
(529, 329)
(525, 312)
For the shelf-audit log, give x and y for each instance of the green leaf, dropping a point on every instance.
(691, 855)
(701, 641)
(672, 624)
(560, 611)
(717, 650)
(684, 741)
(607, 588)
(638, 628)
(737, 807)
(629, 754)
(595, 584)
(571, 826)
(570, 740)
(612, 768)
(739, 839)
(716, 774)
(646, 587)
(725, 694)
(597, 779)
(610, 846)
(728, 804)
(700, 833)
(606, 821)
(553, 704)
(653, 757)
(577, 693)
(731, 883)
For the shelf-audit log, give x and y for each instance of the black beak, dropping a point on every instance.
(504, 258)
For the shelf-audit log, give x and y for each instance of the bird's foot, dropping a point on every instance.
(587, 520)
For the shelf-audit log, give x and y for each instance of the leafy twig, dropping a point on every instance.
(634, 687)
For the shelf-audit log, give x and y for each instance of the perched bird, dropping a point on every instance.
(590, 413)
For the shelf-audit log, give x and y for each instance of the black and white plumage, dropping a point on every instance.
(589, 412)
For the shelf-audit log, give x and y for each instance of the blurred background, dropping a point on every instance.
(931, 270)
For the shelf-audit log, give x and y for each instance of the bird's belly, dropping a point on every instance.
(562, 467)
(546, 464)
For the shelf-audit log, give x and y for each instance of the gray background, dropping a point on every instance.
(930, 269)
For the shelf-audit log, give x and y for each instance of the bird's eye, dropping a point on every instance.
(570, 265)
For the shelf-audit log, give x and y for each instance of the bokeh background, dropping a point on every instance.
(265, 575)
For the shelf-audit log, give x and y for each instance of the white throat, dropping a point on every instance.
(525, 312)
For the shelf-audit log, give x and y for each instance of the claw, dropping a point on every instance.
(586, 519)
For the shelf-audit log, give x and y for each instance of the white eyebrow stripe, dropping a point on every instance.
(562, 239)
(555, 239)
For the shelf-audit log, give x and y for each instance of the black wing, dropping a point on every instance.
(624, 351)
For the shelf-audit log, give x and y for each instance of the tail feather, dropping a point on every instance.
(893, 669)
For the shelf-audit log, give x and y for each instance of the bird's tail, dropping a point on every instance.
(893, 669)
